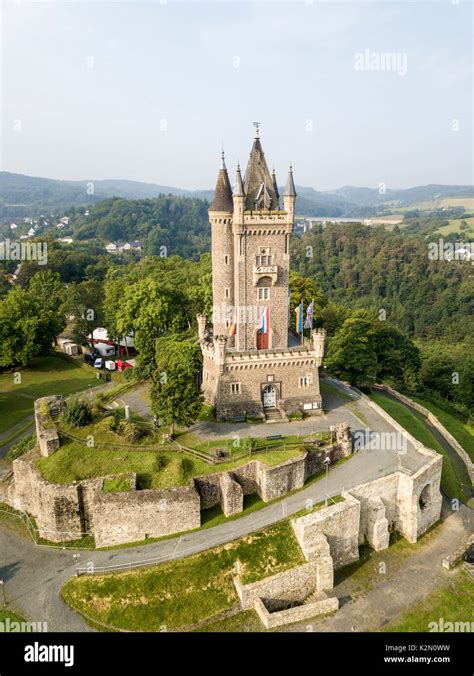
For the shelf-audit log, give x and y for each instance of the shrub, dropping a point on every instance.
(161, 462)
(23, 446)
(187, 467)
(77, 413)
(129, 431)
(249, 444)
(297, 415)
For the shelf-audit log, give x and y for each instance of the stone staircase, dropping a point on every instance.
(273, 415)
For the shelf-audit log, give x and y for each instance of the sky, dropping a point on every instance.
(152, 91)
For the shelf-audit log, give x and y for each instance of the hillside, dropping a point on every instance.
(22, 196)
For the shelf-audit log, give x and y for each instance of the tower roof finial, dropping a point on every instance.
(257, 129)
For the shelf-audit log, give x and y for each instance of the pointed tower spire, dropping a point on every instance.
(275, 184)
(223, 193)
(258, 183)
(290, 184)
(239, 186)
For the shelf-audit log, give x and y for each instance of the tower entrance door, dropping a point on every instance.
(269, 397)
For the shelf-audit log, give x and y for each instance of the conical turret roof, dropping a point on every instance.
(223, 193)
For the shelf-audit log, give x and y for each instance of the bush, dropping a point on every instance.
(297, 415)
(129, 431)
(77, 413)
(23, 446)
(187, 467)
(249, 444)
(161, 462)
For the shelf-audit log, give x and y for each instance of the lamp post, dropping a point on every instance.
(2, 585)
(327, 462)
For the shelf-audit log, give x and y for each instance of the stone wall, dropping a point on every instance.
(56, 508)
(292, 585)
(132, 516)
(339, 523)
(297, 614)
(454, 443)
(46, 433)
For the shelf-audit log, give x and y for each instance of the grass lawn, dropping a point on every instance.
(48, 375)
(453, 603)
(454, 481)
(460, 430)
(155, 469)
(186, 591)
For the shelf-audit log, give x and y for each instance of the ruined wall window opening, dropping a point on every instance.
(235, 388)
(425, 497)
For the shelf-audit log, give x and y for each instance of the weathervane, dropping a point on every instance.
(257, 128)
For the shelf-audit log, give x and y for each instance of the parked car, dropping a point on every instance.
(90, 357)
(99, 363)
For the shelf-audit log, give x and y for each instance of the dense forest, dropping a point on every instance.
(166, 225)
(363, 267)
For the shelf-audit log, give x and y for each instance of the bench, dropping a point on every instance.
(274, 437)
(238, 418)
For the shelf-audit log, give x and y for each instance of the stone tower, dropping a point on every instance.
(220, 218)
(246, 369)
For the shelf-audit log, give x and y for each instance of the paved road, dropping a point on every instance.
(35, 575)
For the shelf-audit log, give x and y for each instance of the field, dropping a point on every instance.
(454, 226)
(54, 374)
(186, 591)
(454, 482)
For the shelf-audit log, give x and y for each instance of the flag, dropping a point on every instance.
(309, 316)
(265, 321)
(299, 318)
(232, 328)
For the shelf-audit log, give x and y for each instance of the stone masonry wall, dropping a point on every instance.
(132, 516)
(339, 523)
(291, 585)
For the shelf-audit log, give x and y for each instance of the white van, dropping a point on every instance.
(110, 365)
(104, 349)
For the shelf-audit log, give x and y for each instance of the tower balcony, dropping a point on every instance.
(260, 271)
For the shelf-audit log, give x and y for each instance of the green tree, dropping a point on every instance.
(396, 353)
(27, 329)
(351, 353)
(175, 396)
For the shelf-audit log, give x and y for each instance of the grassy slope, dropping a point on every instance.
(13, 617)
(186, 591)
(460, 430)
(453, 603)
(46, 375)
(451, 481)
